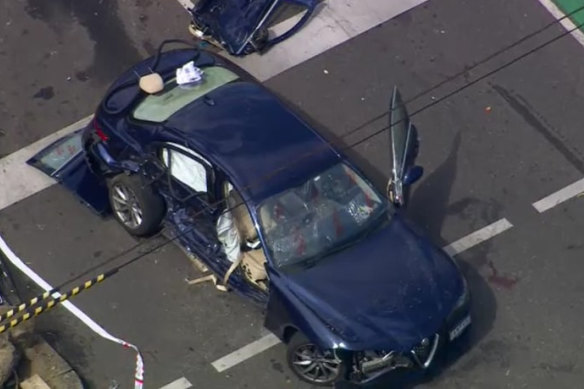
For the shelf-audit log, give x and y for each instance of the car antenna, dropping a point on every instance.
(153, 65)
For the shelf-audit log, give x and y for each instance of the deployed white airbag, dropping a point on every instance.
(186, 169)
(228, 236)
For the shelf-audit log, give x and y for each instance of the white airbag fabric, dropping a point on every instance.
(186, 170)
(228, 236)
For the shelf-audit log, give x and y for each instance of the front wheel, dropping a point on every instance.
(136, 206)
(311, 364)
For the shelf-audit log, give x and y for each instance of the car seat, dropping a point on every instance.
(252, 261)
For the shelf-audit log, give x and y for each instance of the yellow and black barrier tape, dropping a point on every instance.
(23, 306)
(44, 302)
(31, 312)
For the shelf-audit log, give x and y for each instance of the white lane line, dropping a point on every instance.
(566, 23)
(187, 4)
(181, 383)
(560, 196)
(99, 330)
(334, 23)
(477, 237)
(19, 180)
(339, 21)
(270, 340)
(245, 352)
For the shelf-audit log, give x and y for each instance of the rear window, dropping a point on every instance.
(161, 106)
(54, 157)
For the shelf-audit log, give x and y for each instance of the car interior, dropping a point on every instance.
(253, 257)
(250, 255)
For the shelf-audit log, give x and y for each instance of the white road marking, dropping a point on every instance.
(186, 3)
(245, 352)
(181, 383)
(270, 340)
(339, 21)
(477, 237)
(99, 330)
(335, 22)
(566, 23)
(19, 180)
(560, 196)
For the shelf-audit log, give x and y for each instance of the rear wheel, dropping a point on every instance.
(311, 364)
(136, 206)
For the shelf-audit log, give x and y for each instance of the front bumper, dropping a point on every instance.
(422, 360)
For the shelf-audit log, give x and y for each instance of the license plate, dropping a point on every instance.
(459, 328)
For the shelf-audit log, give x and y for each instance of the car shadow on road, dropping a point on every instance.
(431, 197)
(432, 206)
(429, 207)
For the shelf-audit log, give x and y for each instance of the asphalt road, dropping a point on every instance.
(481, 165)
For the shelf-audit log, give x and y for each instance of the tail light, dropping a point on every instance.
(98, 131)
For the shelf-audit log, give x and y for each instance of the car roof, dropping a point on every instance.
(124, 91)
(262, 146)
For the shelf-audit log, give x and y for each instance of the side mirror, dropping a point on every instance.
(413, 174)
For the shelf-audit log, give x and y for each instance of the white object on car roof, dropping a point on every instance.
(188, 74)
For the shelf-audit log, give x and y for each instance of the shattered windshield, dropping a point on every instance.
(314, 219)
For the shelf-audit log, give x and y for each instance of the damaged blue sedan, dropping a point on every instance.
(274, 211)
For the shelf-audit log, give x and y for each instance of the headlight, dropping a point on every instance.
(462, 299)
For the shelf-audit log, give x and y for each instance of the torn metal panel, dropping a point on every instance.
(240, 26)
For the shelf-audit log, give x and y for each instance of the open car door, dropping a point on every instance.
(404, 149)
(64, 160)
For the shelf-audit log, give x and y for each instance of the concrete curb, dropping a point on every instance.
(35, 356)
(42, 359)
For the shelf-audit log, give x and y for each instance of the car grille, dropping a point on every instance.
(422, 351)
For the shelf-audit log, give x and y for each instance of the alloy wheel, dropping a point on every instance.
(315, 365)
(126, 206)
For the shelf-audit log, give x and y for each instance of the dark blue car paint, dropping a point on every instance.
(125, 90)
(386, 292)
(260, 144)
(196, 241)
(76, 177)
(234, 23)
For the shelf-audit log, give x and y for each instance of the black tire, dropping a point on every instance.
(139, 197)
(258, 42)
(296, 344)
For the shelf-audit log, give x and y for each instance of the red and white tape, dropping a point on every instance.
(16, 261)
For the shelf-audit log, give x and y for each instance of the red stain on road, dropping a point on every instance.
(499, 280)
